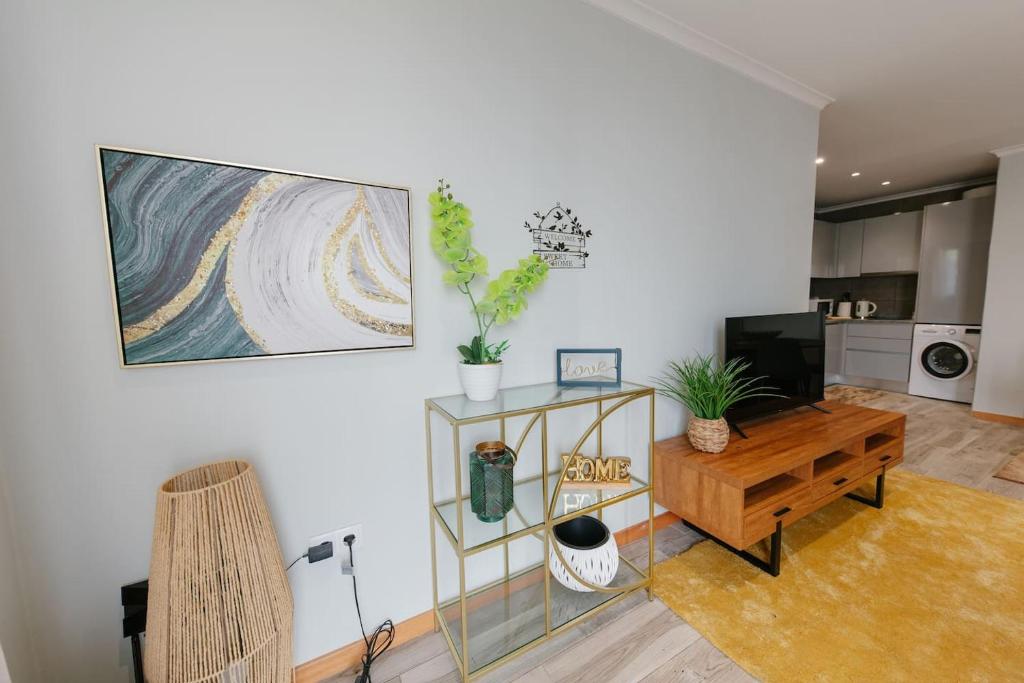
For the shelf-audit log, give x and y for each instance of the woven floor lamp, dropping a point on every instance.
(220, 608)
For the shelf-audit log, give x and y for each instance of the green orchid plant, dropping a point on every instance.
(504, 298)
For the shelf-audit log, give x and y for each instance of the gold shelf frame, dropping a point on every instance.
(541, 530)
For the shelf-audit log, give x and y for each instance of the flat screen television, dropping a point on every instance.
(788, 350)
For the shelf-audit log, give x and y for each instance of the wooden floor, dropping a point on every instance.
(638, 640)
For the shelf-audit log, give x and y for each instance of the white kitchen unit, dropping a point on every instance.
(876, 353)
(892, 244)
(849, 246)
(885, 244)
(823, 249)
(835, 349)
(954, 262)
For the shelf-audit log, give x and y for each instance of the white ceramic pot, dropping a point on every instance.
(480, 382)
(589, 548)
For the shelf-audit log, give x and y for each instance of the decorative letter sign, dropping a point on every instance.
(588, 367)
(590, 473)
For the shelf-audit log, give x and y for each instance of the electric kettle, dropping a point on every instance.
(866, 309)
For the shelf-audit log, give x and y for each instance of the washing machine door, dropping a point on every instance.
(947, 359)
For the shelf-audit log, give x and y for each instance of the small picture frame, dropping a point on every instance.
(588, 367)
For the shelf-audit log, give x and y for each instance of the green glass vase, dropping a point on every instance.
(490, 482)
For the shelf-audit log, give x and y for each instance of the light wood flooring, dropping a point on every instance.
(638, 640)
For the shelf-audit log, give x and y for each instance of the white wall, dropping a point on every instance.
(1000, 387)
(697, 183)
(16, 659)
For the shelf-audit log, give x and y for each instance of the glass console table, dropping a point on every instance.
(495, 598)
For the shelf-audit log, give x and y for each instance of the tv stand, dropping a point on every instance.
(785, 469)
(773, 565)
(736, 425)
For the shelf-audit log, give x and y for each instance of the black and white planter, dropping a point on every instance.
(589, 548)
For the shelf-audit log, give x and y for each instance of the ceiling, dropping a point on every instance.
(922, 90)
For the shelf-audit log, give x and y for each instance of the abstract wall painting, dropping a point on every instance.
(216, 261)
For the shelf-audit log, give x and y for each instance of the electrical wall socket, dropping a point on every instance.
(337, 538)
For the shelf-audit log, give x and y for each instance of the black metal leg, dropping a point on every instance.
(775, 555)
(879, 500)
(824, 410)
(774, 564)
(739, 431)
(137, 658)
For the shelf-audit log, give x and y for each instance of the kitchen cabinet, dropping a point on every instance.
(881, 329)
(885, 244)
(891, 244)
(823, 249)
(849, 246)
(835, 348)
(955, 247)
(885, 366)
(877, 351)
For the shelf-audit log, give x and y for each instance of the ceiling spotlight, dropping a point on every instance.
(886, 182)
(855, 174)
(946, 203)
(819, 161)
(897, 213)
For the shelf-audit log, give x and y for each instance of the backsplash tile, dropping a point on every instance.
(894, 294)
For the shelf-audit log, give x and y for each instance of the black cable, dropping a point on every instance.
(296, 560)
(385, 630)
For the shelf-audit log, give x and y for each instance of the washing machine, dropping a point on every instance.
(944, 361)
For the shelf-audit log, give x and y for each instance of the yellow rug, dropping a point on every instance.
(930, 588)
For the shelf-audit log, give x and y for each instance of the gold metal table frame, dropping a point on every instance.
(616, 398)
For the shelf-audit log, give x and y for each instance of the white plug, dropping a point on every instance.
(347, 567)
(337, 538)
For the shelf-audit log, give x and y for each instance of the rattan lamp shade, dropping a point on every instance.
(220, 608)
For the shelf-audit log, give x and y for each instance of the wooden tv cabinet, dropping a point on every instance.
(790, 466)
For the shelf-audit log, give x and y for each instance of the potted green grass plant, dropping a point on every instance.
(707, 389)
(502, 300)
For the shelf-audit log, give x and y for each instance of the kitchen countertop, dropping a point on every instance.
(833, 321)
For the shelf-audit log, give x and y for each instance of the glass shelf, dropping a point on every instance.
(528, 512)
(511, 614)
(531, 397)
(506, 617)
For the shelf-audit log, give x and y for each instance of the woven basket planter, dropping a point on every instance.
(220, 608)
(708, 436)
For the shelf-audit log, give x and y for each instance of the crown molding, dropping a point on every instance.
(976, 182)
(1007, 151)
(659, 23)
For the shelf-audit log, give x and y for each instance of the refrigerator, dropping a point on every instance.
(955, 239)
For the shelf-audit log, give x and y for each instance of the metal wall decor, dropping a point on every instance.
(559, 238)
(218, 261)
